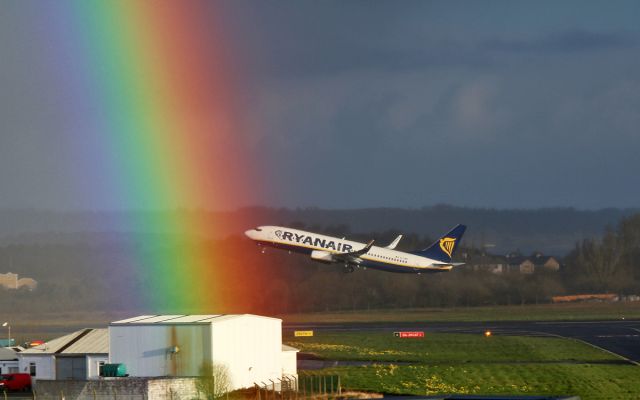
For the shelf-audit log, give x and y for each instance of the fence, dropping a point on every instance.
(305, 386)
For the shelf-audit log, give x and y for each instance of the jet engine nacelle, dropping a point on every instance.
(322, 256)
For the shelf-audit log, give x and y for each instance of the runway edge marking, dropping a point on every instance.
(595, 346)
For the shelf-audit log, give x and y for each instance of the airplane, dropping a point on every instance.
(328, 249)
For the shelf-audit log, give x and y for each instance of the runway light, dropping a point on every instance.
(487, 333)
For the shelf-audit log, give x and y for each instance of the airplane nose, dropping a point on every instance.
(251, 233)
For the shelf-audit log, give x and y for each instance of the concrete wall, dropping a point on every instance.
(121, 389)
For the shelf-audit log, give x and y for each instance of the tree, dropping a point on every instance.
(214, 380)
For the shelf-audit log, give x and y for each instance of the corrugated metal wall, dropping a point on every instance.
(249, 346)
(160, 350)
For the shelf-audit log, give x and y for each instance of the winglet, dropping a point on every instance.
(363, 250)
(394, 243)
(368, 246)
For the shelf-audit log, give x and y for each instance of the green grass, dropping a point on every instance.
(543, 312)
(585, 380)
(473, 364)
(446, 348)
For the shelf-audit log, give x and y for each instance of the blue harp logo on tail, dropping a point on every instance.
(447, 244)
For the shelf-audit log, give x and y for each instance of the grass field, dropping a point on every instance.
(473, 364)
(543, 312)
(447, 348)
(590, 382)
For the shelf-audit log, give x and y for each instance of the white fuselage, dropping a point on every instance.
(332, 249)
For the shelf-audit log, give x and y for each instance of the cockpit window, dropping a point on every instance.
(258, 229)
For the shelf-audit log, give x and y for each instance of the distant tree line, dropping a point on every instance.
(100, 275)
(610, 264)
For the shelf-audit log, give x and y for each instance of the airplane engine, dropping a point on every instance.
(322, 256)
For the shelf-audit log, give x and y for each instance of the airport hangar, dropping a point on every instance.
(249, 346)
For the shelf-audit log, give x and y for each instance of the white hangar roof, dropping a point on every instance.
(183, 319)
(9, 353)
(84, 341)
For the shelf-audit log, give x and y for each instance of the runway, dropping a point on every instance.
(621, 337)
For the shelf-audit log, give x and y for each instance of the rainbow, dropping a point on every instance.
(156, 80)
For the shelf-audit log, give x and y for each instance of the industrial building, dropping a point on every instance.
(249, 347)
(78, 355)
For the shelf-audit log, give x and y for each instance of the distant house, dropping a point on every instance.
(528, 265)
(493, 266)
(515, 263)
(545, 262)
(520, 264)
(11, 281)
(28, 283)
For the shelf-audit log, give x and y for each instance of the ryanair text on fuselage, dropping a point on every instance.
(327, 249)
(311, 241)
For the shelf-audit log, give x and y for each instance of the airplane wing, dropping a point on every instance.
(394, 243)
(353, 256)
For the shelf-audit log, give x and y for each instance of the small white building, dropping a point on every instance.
(9, 359)
(78, 355)
(248, 346)
(290, 362)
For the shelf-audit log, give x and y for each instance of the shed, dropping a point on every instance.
(289, 361)
(248, 347)
(78, 355)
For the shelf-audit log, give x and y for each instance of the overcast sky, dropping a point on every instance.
(400, 104)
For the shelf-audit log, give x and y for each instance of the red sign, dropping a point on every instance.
(409, 335)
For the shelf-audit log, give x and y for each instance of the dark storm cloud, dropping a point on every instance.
(567, 41)
(325, 57)
(313, 38)
(483, 112)
(358, 103)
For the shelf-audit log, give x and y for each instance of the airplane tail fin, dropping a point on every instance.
(443, 248)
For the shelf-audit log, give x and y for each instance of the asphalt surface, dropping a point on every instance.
(621, 337)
